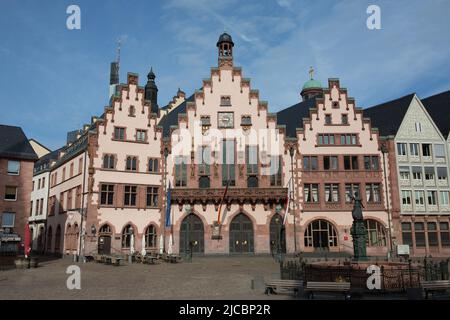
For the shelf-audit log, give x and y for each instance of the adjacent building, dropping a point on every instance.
(419, 155)
(17, 159)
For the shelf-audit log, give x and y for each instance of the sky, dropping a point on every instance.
(52, 79)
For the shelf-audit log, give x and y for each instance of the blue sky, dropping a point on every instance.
(53, 79)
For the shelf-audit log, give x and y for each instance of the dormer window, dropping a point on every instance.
(225, 101)
(328, 119)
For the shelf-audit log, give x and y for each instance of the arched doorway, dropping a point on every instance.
(40, 240)
(58, 239)
(277, 235)
(104, 239)
(68, 238)
(49, 239)
(241, 235)
(321, 235)
(192, 232)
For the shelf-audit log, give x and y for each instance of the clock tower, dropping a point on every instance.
(225, 46)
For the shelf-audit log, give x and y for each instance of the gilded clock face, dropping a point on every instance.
(226, 120)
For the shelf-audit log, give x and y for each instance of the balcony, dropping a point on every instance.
(417, 182)
(432, 208)
(427, 158)
(405, 183)
(407, 207)
(414, 158)
(442, 183)
(430, 183)
(419, 207)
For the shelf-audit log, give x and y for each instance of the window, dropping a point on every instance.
(70, 172)
(404, 173)
(119, 133)
(331, 192)
(41, 206)
(204, 160)
(153, 165)
(13, 167)
(180, 171)
(442, 173)
(52, 205)
(109, 161)
(126, 236)
(225, 101)
(401, 149)
(69, 200)
(351, 163)
(328, 119)
(251, 158)
(371, 163)
(246, 121)
(152, 196)
(443, 196)
(10, 193)
(429, 173)
(350, 190)
(330, 163)
(310, 163)
(414, 149)
(326, 139)
(348, 139)
(320, 234)
(78, 197)
(275, 171)
(406, 197)
(252, 182)
(130, 196)
(150, 236)
(131, 164)
(431, 197)
(373, 192)
(376, 235)
(439, 151)
(311, 193)
(107, 194)
(344, 119)
(131, 111)
(426, 150)
(64, 174)
(141, 135)
(432, 234)
(43, 182)
(419, 197)
(8, 219)
(417, 173)
(36, 210)
(31, 208)
(80, 165)
(204, 182)
(418, 126)
(61, 202)
(228, 163)
(419, 233)
(407, 233)
(445, 234)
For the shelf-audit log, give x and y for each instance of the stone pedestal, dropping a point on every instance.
(359, 234)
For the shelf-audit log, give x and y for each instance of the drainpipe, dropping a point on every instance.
(82, 231)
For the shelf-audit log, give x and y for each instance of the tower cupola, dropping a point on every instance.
(312, 88)
(151, 91)
(225, 45)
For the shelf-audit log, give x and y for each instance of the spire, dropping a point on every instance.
(311, 72)
(114, 72)
(151, 91)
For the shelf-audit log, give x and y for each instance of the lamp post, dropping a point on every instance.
(291, 153)
(384, 151)
(131, 230)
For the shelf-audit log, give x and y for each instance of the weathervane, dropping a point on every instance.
(311, 72)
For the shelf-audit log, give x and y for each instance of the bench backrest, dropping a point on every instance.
(436, 283)
(325, 285)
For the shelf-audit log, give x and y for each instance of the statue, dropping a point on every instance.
(357, 208)
(358, 230)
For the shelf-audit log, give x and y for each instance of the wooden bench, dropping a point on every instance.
(274, 286)
(342, 287)
(436, 285)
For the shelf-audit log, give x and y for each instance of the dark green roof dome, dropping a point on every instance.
(312, 84)
(225, 37)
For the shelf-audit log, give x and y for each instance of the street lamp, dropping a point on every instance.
(93, 230)
(291, 153)
(384, 151)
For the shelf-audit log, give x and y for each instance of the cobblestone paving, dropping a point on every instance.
(203, 278)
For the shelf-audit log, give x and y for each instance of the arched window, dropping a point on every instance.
(76, 234)
(126, 236)
(132, 111)
(68, 237)
(108, 161)
(58, 239)
(320, 234)
(105, 229)
(376, 233)
(131, 163)
(150, 236)
(49, 238)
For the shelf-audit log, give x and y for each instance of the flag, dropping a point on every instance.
(288, 200)
(221, 202)
(168, 206)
